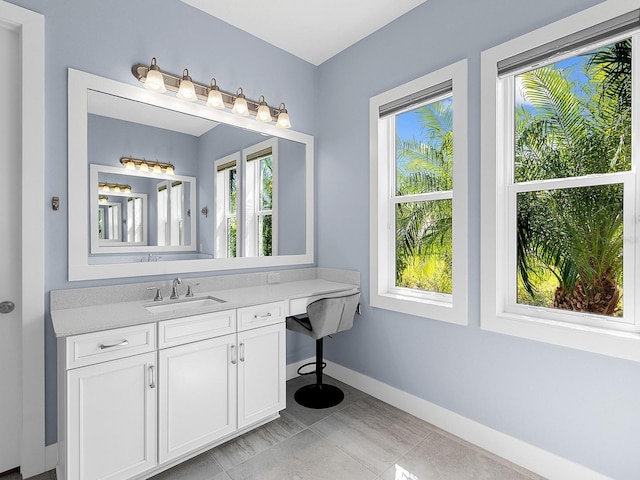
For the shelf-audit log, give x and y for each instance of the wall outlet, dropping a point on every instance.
(273, 277)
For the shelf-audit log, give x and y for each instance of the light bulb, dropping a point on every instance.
(186, 91)
(169, 170)
(154, 80)
(264, 112)
(157, 169)
(116, 188)
(105, 188)
(240, 106)
(126, 189)
(283, 118)
(144, 167)
(214, 99)
(129, 165)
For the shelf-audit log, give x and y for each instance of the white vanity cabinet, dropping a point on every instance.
(198, 382)
(262, 362)
(129, 407)
(110, 415)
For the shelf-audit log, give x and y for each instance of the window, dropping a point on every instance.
(419, 196)
(559, 202)
(227, 207)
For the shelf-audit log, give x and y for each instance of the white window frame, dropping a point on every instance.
(448, 308)
(223, 210)
(252, 212)
(499, 313)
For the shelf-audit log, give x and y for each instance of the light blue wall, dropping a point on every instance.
(106, 38)
(578, 405)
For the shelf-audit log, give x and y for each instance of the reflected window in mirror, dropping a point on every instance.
(135, 220)
(171, 213)
(260, 204)
(247, 202)
(226, 182)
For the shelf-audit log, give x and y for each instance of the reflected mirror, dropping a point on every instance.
(239, 194)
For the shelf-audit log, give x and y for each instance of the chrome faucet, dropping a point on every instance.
(174, 293)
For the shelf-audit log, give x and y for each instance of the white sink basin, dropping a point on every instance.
(184, 304)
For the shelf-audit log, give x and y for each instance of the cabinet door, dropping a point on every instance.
(111, 419)
(197, 394)
(261, 373)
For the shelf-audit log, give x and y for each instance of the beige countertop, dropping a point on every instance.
(85, 319)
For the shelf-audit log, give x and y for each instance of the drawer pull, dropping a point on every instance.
(262, 315)
(152, 384)
(234, 359)
(111, 345)
(242, 352)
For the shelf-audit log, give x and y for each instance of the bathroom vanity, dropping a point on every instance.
(144, 385)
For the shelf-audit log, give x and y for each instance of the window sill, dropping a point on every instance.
(421, 307)
(625, 345)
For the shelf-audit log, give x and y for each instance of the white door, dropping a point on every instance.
(10, 324)
(111, 409)
(197, 395)
(261, 373)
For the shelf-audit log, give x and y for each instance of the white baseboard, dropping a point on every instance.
(50, 456)
(532, 458)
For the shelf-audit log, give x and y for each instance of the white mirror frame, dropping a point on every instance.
(79, 84)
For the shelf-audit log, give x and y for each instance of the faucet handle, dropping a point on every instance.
(158, 296)
(190, 290)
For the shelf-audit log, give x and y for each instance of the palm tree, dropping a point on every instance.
(574, 233)
(423, 229)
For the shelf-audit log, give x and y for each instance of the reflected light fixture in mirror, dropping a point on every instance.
(144, 165)
(114, 187)
(156, 80)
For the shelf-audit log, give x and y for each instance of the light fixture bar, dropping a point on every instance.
(172, 82)
(114, 187)
(143, 164)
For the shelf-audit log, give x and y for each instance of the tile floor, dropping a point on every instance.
(362, 438)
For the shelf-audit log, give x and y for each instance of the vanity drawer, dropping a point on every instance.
(196, 327)
(259, 315)
(96, 347)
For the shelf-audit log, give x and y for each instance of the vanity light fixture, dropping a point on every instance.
(145, 165)
(214, 98)
(103, 198)
(240, 106)
(154, 80)
(114, 187)
(186, 91)
(212, 95)
(283, 118)
(264, 113)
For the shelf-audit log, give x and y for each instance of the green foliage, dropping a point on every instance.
(573, 129)
(424, 228)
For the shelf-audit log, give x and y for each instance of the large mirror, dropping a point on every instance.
(238, 194)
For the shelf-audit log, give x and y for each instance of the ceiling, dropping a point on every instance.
(314, 31)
